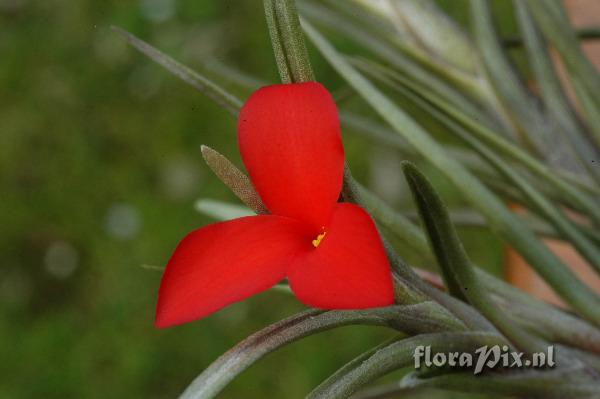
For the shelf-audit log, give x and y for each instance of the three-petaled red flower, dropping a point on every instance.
(330, 252)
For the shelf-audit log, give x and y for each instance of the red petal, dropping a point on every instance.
(348, 269)
(224, 263)
(289, 139)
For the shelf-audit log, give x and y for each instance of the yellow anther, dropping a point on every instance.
(319, 238)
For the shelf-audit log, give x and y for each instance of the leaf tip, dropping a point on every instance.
(208, 153)
(411, 172)
(408, 166)
(119, 30)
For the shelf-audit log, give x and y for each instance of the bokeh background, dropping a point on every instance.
(99, 172)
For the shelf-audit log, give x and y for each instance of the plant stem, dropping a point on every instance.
(290, 51)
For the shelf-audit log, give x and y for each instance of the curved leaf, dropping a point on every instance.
(399, 354)
(457, 269)
(418, 318)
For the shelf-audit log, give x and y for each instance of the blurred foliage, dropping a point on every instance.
(99, 168)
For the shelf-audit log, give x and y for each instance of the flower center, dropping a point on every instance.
(319, 238)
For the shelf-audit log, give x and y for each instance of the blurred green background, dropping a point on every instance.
(99, 170)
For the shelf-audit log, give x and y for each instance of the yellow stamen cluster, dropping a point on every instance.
(319, 238)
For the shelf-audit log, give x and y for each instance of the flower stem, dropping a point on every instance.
(288, 42)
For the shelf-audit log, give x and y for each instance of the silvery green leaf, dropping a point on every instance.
(221, 210)
(290, 51)
(426, 317)
(233, 178)
(457, 269)
(436, 34)
(393, 356)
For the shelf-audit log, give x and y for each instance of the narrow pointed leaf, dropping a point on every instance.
(442, 238)
(194, 79)
(457, 269)
(234, 178)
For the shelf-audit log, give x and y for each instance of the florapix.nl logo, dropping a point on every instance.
(488, 357)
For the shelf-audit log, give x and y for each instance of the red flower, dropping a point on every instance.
(289, 138)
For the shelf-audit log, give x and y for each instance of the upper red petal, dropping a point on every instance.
(226, 262)
(348, 269)
(289, 139)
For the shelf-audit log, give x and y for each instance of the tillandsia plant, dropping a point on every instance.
(328, 238)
